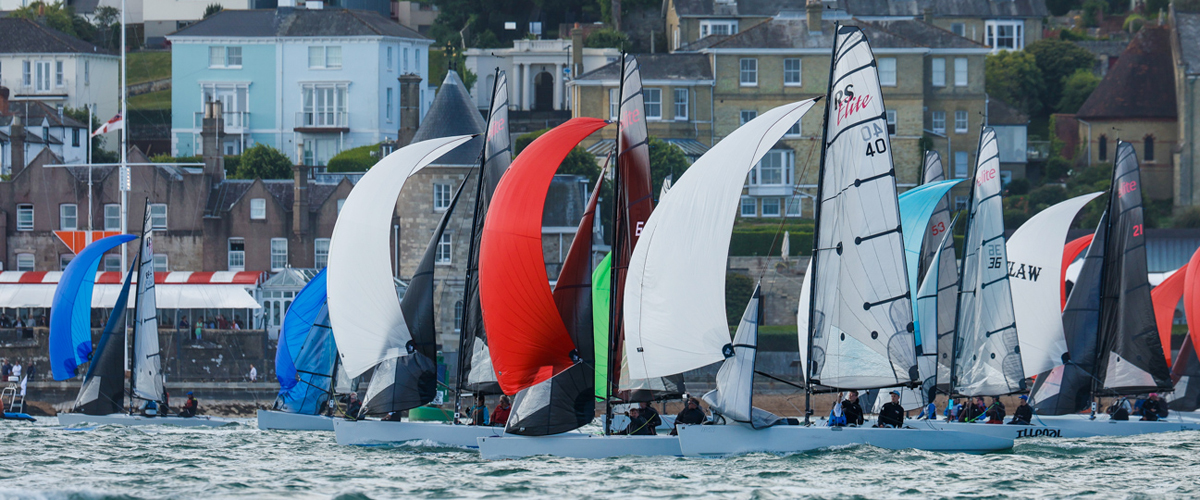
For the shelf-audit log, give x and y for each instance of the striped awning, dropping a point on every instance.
(250, 278)
(174, 290)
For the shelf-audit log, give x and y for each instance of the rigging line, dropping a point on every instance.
(783, 220)
(777, 379)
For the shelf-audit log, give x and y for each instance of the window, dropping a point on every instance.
(681, 104)
(112, 263)
(1103, 150)
(64, 260)
(25, 217)
(770, 207)
(891, 121)
(1004, 35)
(960, 72)
(441, 196)
(234, 100)
(960, 122)
(675, 39)
(58, 73)
(405, 60)
(887, 71)
(794, 208)
(791, 72)
(237, 254)
(794, 131)
(160, 263)
(324, 57)
(24, 262)
(653, 100)
(458, 316)
(939, 122)
(320, 252)
(960, 202)
(75, 133)
(279, 253)
(258, 209)
(775, 169)
(1148, 149)
(960, 164)
(340, 202)
(112, 217)
(389, 104)
(748, 207)
(26, 74)
(959, 29)
(324, 105)
(87, 72)
(389, 59)
(444, 250)
(42, 75)
(220, 56)
(939, 72)
(233, 57)
(68, 217)
(614, 103)
(747, 115)
(718, 27)
(749, 72)
(417, 61)
(158, 216)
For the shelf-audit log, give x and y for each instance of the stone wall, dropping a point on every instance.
(781, 283)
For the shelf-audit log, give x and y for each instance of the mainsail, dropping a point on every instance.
(861, 316)
(103, 388)
(475, 371)
(306, 356)
(147, 360)
(987, 354)
(734, 396)
(71, 314)
(938, 289)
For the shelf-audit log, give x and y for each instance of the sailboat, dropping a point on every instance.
(305, 364)
(854, 336)
(101, 397)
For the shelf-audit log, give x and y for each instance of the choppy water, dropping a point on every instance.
(43, 460)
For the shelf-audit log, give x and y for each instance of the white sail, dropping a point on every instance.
(734, 396)
(935, 318)
(987, 359)
(1035, 253)
(862, 317)
(675, 290)
(802, 319)
(363, 306)
(147, 363)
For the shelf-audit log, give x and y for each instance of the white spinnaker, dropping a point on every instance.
(862, 317)
(1035, 253)
(987, 359)
(734, 396)
(147, 362)
(363, 307)
(675, 290)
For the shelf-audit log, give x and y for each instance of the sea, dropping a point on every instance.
(43, 460)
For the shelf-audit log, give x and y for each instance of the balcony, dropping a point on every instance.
(322, 121)
(236, 122)
(771, 189)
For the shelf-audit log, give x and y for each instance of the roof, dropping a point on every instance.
(453, 113)
(23, 36)
(794, 34)
(1187, 28)
(1002, 113)
(914, 8)
(117, 278)
(568, 193)
(658, 67)
(1140, 85)
(293, 22)
(1110, 48)
(32, 114)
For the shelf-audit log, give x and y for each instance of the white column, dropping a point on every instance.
(529, 87)
(558, 86)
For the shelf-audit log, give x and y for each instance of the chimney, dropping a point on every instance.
(410, 108)
(16, 139)
(812, 11)
(576, 51)
(300, 200)
(211, 133)
(3, 100)
(927, 15)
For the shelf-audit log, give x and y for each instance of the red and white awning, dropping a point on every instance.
(174, 290)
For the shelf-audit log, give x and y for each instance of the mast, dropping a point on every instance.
(137, 300)
(614, 356)
(962, 268)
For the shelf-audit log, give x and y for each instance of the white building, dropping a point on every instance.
(537, 72)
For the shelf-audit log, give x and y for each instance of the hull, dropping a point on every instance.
(278, 420)
(721, 440)
(1041, 428)
(1102, 426)
(575, 445)
(18, 416)
(74, 419)
(378, 433)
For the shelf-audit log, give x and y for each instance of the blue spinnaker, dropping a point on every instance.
(306, 355)
(916, 207)
(71, 311)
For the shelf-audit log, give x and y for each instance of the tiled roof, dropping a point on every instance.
(34, 112)
(658, 67)
(1187, 28)
(1140, 85)
(941, 8)
(453, 113)
(225, 195)
(23, 36)
(1001, 113)
(794, 34)
(294, 22)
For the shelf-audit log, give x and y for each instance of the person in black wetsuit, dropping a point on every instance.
(647, 411)
(190, 408)
(353, 406)
(1024, 413)
(692, 414)
(892, 414)
(638, 426)
(1150, 408)
(852, 410)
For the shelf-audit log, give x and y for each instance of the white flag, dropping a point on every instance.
(116, 123)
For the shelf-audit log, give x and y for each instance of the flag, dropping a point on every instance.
(116, 123)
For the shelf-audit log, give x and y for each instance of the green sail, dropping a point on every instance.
(601, 288)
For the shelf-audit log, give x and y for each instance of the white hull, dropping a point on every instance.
(721, 440)
(278, 420)
(376, 432)
(73, 419)
(1039, 429)
(576, 445)
(1102, 426)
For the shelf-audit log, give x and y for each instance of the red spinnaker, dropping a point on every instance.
(1070, 252)
(1166, 297)
(1191, 301)
(526, 335)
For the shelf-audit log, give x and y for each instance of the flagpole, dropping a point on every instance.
(89, 161)
(124, 141)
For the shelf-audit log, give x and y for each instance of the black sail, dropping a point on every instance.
(1131, 357)
(103, 389)
(1186, 375)
(475, 371)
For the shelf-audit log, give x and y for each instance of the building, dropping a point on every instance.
(43, 64)
(417, 16)
(1185, 56)
(999, 24)
(538, 71)
(1012, 137)
(38, 127)
(309, 82)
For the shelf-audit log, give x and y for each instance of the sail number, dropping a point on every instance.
(995, 256)
(938, 228)
(1137, 230)
(873, 131)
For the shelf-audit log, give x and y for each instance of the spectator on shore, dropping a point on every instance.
(253, 373)
(183, 324)
(5, 322)
(5, 369)
(237, 324)
(198, 329)
(16, 369)
(222, 324)
(31, 371)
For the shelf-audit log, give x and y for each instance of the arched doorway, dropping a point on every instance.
(543, 92)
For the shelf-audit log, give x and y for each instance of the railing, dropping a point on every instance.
(1037, 150)
(771, 189)
(234, 120)
(322, 119)
(540, 45)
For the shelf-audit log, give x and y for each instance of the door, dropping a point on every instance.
(42, 76)
(543, 88)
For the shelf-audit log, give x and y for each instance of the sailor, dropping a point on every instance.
(892, 414)
(954, 410)
(836, 417)
(638, 426)
(1024, 413)
(650, 414)
(191, 407)
(500, 414)
(1163, 407)
(974, 410)
(1150, 408)
(996, 412)
(692, 414)
(150, 410)
(852, 410)
(353, 406)
(929, 412)
(1120, 409)
(479, 412)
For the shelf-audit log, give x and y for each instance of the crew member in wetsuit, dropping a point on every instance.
(1120, 409)
(647, 411)
(1150, 408)
(353, 407)
(892, 414)
(996, 412)
(692, 415)
(1024, 413)
(852, 410)
(638, 426)
(974, 410)
(190, 408)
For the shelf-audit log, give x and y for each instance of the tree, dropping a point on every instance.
(1057, 60)
(108, 25)
(1014, 77)
(666, 159)
(98, 155)
(738, 288)
(57, 15)
(1076, 89)
(1059, 7)
(358, 159)
(263, 162)
(212, 8)
(607, 38)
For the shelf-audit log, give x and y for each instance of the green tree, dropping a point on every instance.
(1057, 60)
(1060, 7)
(358, 159)
(607, 38)
(1076, 89)
(212, 8)
(57, 14)
(665, 159)
(578, 161)
(1093, 12)
(1014, 77)
(108, 26)
(738, 288)
(262, 162)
